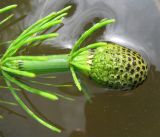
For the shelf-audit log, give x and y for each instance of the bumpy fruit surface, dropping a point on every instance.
(118, 67)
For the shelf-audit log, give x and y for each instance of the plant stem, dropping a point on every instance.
(40, 64)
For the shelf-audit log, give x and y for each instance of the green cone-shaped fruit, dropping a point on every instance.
(117, 67)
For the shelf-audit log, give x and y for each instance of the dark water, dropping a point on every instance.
(133, 113)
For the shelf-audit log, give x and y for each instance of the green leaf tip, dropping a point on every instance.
(8, 8)
(6, 19)
(67, 8)
(13, 6)
(106, 19)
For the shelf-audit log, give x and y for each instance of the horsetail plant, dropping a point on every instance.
(109, 64)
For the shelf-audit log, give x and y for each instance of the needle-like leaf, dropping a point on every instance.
(34, 116)
(85, 35)
(39, 92)
(8, 8)
(76, 81)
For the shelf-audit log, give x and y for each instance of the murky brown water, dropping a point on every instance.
(133, 113)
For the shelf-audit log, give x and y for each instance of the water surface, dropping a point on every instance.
(111, 114)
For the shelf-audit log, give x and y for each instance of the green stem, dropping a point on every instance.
(40, 64)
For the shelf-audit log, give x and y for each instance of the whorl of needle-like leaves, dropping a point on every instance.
(35, 33)
(75, 51)
(109, 64)
(3, 10)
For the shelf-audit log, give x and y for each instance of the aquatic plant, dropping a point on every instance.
(109, 64)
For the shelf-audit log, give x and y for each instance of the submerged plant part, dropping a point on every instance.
(109, 64)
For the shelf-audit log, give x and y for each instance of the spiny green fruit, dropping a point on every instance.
(117, 67)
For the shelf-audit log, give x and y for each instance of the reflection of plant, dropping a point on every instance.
(7, 103)
(109, 64)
